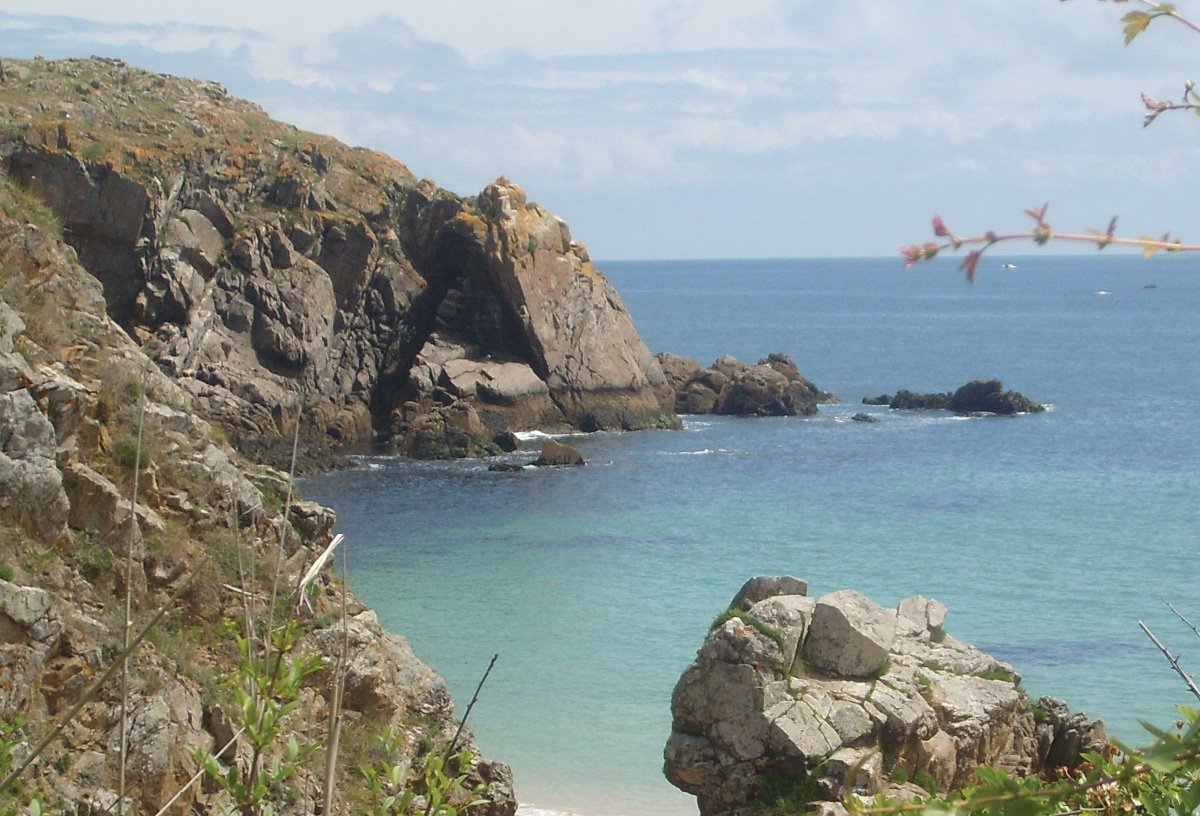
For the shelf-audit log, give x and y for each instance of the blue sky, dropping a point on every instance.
(671, 129)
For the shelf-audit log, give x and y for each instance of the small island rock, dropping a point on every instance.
(555, 453)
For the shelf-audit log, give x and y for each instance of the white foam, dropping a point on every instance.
(531, 810)
(529, 436)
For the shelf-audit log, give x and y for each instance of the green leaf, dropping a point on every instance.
(1135, 23)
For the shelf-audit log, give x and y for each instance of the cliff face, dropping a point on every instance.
(281, 276)
(201, 541)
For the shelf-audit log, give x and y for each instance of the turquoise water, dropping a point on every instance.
(1048, 536)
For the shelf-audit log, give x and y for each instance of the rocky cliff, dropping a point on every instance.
(281, 276)
(111, 487)
(816, 698)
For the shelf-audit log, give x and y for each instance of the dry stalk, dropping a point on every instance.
(90, 694)
(339, 688)
(133, 529)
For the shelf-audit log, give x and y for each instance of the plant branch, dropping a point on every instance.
(1041, 234)
(91, 691)
(1173, 660)
(1186, 622)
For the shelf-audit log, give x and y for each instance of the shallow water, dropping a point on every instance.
(1048, 535)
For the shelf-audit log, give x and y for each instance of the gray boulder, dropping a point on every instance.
(884, 694)
(851, 635)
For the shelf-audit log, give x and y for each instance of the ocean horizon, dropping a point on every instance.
(1048, 536)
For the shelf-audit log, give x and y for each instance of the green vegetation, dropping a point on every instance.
(760, 627)
(127, 454)
(780, 794)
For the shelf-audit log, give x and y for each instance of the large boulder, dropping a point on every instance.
(883, 692)
(850, 636)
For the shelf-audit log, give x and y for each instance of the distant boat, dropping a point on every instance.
(1008, 266)
(1103, 292)
(1150, 286)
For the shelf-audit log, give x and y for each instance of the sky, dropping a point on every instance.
(698, 129)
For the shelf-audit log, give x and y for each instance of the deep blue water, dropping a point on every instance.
(1048, 536)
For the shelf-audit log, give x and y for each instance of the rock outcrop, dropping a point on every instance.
(977, 397)
(74, 388)
(283, 277)
(772, 387)
(798, 691)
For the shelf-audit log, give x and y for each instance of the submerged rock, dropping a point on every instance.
(807, 690)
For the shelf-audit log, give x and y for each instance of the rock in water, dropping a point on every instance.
(974, 398)
(555, 453)
(772, 387)
(809, 690)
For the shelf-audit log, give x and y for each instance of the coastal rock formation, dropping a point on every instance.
(772, 387)
(793, 691)
(74, 389)
(283, 277)
(975, 398)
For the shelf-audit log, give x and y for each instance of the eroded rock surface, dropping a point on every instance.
(771, 387)
(799, 687)
(283, 277)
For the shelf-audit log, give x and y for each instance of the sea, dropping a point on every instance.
(1049, 536)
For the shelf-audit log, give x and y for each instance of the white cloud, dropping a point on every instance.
(761, 98)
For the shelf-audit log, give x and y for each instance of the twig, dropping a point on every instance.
(240, 592)
(1187, 622)
(133, 529)
(197, 775)
(1187, 678)
(91, 691)
(463, 722)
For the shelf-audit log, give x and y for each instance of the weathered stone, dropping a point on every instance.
(99, 508)
(29, 633)
(933, 706)
(927, 613)
(31, 485)
(767, 586)
(939, 756)
(850, 635)
(790, 616)
(555, 453)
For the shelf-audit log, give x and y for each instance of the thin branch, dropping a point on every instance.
(1187, 622)
(133, 529)
(197, 775)
(1173, 660)
(1166, 10)
(91, 691)
(474, 697)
